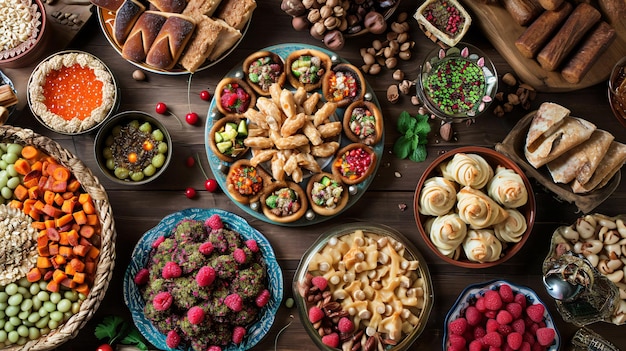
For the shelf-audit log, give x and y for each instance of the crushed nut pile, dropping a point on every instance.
(18, 244)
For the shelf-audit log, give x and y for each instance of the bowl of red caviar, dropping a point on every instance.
(458, 83)
(354, 163)
(72, 92)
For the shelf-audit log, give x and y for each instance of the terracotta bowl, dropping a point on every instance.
(36, 45)
(494, 159)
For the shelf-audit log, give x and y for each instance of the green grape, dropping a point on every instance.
(162, 147)
(110, 164)
(52, 324)
(55, 297)
(43, 322)
(146, 127)
(158, 160)
(149, 170)
(11, 289)
(134, 124)
(22, 330)
(157, 134)
(15, 300)
(115, 131)
(16, 321)
(43, 295)
(137, 176)
(34, 317)
(3, 163)
(26, 305)
(13, 336)
(34, 289)
(33, 333)
(3, 335)
(11, 170)
(71, 295)
(56, 316)
(4, 179)
(9, 158)
(14, 148)
(49, 306)
(64, 305)
(121, 172)
(6, 192)
(107, 153)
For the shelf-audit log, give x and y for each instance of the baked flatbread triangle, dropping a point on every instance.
(581, 161)
(572, 132)
(609, 165)
(548, 118)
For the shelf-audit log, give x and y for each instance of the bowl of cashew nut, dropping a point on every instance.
(600, 239)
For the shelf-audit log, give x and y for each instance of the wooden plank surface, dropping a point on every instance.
(137, 209)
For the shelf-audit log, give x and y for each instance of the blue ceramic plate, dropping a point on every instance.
(217, 165)
(472, 292)
(135, 302)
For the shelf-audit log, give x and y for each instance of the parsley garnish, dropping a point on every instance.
(412, 143)
(113, 328)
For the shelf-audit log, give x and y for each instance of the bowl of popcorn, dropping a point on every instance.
(474, 207)
(24, 28)
(362, 283)
(457, 83)
(502, 315)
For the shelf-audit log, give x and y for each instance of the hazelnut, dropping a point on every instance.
(405, 55)
(391, 62)
(326, 11)
(402, 17)
(300, 23)
(498, 111)
(334, 40)
(314, 16)
(398, 75)
(405, 86)
(375, 69)
(331, 23)
(402, 38)
(509, 79)
(507, 107)
(513, 99)
(392, 94)
(375, 22)
(400, 27)
(139, 75)
(318, 30)
(369, 59)
(308, 4)
(293, 7)
(377, 44)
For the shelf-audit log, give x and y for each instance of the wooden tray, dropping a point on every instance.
(502, 31)
(513, 146)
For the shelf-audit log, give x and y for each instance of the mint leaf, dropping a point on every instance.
(402, 147)
(422, 118)
(110, 328)
(134, 338)
(422, 128)
(419, 154)
(406, 122)
(415, 141)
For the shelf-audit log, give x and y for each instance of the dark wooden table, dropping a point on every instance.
(137, 209)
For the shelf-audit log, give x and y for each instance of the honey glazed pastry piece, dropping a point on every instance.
(125, 18)
(142, 35)
(170, 42)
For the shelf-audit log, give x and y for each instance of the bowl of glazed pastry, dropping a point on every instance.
(375, 310)
(474, 207)
(24, 32)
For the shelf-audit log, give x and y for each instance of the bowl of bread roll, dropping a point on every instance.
(474, 207)
(174, 37)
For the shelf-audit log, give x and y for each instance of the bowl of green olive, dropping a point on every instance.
(133, 148)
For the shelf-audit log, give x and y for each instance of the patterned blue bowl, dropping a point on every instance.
(469, 295)
(136, 303)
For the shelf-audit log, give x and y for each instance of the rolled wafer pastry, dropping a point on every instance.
(579, 22)
(591, 49)
(522, 11)
(541, 30)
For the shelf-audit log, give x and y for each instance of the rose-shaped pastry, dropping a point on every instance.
(507, 188)
(468, 170)
(482, 246)
(477, 209)
(512, 228)
(437, 197)
(446, 232)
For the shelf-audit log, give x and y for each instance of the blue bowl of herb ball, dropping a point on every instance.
(133, 148)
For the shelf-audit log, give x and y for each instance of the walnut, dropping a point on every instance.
(392, 94)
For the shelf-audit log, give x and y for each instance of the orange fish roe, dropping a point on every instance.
(72, 92)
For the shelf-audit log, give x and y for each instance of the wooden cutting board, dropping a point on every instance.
(502, 31)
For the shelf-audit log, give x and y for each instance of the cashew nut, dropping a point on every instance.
(586, 226)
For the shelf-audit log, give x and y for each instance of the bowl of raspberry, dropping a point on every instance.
(502, 315)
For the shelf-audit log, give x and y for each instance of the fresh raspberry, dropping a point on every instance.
(171, 270)
(479, 332)
(162, 301)
(214, 348)
(234, 302)
(504, 317)
(456, 342)
(480, 304)
(505, 329)
(206, 248)
(345, 325)
(206, 276)
(545, 336)
(195, 315)
(240, 256)
(475, 345)
(521, 299)
(454, 348)
(173, 339)
(263, 298)
(532, 327)
(525, 346)
(529, 337)
(491, 314)
(492, 339)
(519, 326)
(315, 314)
(506, 293)
(141, 278)
(331, 339)
(320, 282)
(491, 326)
(493, 301)
(537, 347)
(252, 245)
(158, 242)
(514, 340)
(473, 316)
(515, 309)
(458, 326)
(214, 222)
(535, 312)
(238, 333)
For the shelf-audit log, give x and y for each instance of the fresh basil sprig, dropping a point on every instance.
(412, 143)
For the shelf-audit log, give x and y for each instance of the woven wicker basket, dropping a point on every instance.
(106, 261)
